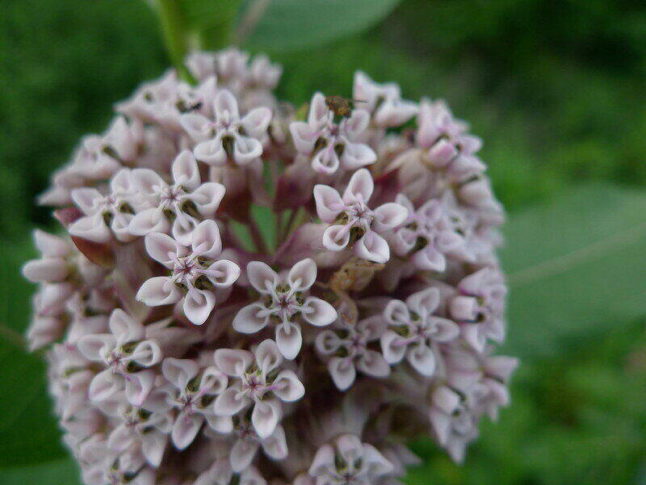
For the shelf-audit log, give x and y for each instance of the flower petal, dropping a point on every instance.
(162, 248)
(185, 429)
(360, 186)
(233, 363)
(421, 357)
(318, 312)
(159, 290)
(393, 347)
(372, 247)
(289, 339)
(265, 417)
(251, 319)
(302, 275)
(328, 203)
(287, 387)
(342, 371)
(198, 305)
(262, 277)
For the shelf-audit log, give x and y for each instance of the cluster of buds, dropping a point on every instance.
(248, 296)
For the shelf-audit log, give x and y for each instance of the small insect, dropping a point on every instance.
(341, 106)
(354, 275)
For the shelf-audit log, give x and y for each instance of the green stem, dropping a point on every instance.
(175, 32)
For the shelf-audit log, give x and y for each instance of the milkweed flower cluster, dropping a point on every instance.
(256, 294)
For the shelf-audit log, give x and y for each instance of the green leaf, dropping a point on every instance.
(60, 472)
(28, 429)
(211, 20)
(298, 24)
(576, 267)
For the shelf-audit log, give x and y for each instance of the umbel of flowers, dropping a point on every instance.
(250, 293)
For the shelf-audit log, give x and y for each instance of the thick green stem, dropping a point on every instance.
(175, 31)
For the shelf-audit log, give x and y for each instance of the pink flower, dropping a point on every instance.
(413, 329)
(331, 145)
(190, 391)
(284, 299)
(180, 205)
(346, 349)
(258, 382)
(348, 460)
(106, 215)
(353, 223)
(228, 136)
(124, 352)
(383, 101)
(196, 273)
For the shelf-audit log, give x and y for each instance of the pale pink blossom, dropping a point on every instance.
(284, 301)
(332, 145)
(196, 272)
(383, 101)
(259, 382)
(414, 329)
(353, 223)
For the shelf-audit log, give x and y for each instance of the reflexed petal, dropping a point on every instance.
(275, 446)
(360, 186)
(226, 106)
(179, 371)
(159, 291)
(303, 136)
(357, 155)
(195, 125)
(336, 238)
(95, 347)
(373, 364)
(185, 171)
(327, 342)
(185, 429)
(211, 152)
(207, 197)
(246, 150)
(104, 385)
(323, 461)
(319, 111)
(328, 203)
(265, 417)
(242, 454)
(198, 305)
(162, 248)
(289, 339)
(256, 121)
(318, 312)
(223, 273)
(86, 199)
(326, 161)
(372, 247)
(267, 356)
(397, 313)
(393, 347)
(302, 275)
(147, 181)
(424, 302)
(147, 353)
(148, 221)
(430, 259)
(50, 245)
(390, 215)
(92, 228)
(233, 363)
(421, 357)
(229, 403)
(261, 277)
(250, 319)
(342, 371)
(445, 330)
(287, 387)
(124, 327)
(153, 445)
(206, 239)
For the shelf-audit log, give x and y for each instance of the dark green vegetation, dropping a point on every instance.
(552, 87)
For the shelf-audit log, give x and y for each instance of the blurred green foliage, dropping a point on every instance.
(555, 88)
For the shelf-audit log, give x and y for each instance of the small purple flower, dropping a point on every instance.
(383, 101)
(106, 214)
(196, 272)
(124, 352)
(190, 391)
(346, 348)
(179, 205)
(351, 220)
(284, 298)
(331, 145)
(228, 137)
(427, 235)
(413, 331)
(348, 461)
(257, 382)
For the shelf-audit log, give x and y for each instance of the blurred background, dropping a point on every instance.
(557, 91)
